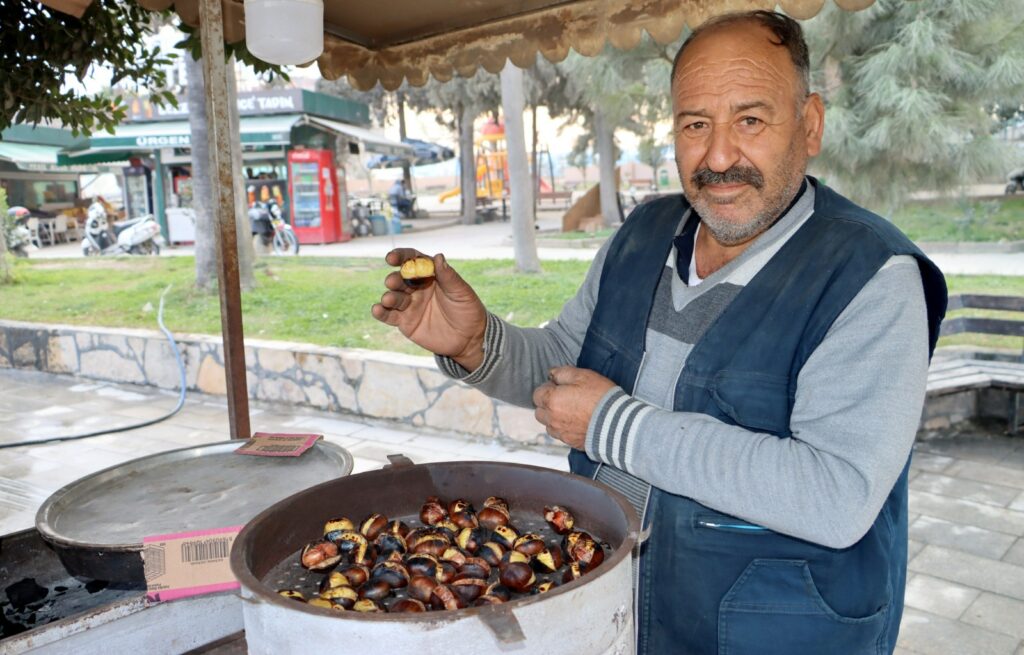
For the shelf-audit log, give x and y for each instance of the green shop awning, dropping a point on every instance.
(28, 156)
(133, 139)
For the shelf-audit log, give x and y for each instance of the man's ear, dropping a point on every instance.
(814, 123)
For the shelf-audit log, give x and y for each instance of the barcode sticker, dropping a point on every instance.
(188, 563)
(267, 444)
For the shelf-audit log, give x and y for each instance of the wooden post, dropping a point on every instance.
(215, 72)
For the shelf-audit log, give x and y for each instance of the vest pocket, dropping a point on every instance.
(774, 608)
(757, 401)
(725, 523)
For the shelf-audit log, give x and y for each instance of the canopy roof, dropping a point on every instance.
(411, 39)
(129, 138)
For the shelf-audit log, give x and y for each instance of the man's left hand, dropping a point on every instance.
(567, 400)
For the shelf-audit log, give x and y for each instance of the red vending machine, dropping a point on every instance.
(317, 202)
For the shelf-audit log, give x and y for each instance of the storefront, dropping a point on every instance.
(295, 144)
(29, 170)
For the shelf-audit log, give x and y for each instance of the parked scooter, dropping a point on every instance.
(270, 230)
(136, 236)
(19, 237)
(1015, 182)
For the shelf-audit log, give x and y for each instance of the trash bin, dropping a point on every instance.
(378, 224)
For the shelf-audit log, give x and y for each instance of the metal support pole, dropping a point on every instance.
(215, 72)
(160, 194)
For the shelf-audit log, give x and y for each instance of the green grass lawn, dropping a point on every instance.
(323, 301)
(979, 220)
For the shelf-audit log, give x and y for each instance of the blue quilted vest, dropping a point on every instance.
(712, 583)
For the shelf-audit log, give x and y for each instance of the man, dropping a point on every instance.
(398, 197)
(750, 366)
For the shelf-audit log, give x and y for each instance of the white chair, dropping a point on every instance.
(60, 229)
(33, 228)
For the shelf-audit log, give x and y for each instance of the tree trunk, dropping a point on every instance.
(467, 165)
(406, 172)
(513, 104)
(605, 137)
(202, 179)
(246, 253)
(535, 168)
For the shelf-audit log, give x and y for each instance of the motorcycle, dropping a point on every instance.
(136, 236)
(19, 237)
(1015, 182)
(270, 230)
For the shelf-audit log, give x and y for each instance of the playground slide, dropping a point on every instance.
(481, 175)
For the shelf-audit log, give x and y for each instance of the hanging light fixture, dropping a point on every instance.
(285, 32)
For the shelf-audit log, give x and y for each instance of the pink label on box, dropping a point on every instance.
(274, 444)
(188, 563)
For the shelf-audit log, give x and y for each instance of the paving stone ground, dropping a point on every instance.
(965, 588)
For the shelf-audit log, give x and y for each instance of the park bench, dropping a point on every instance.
(556, 197)
(960, 374)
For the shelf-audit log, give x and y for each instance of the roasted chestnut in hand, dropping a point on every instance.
(291, 594)
(418, 271)
(433, 511)
(420, 587)
(560, 519)
(408, 605)
(517, 576)
(320, 555)
(581, 547)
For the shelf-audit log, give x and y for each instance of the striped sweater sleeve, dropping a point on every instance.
(494, 346)
(614, 426)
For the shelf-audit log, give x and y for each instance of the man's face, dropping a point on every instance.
(743, 130)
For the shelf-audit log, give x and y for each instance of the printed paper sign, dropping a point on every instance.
(188, 563)
(266, 444)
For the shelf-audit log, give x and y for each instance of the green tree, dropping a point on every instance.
(618, 90)
(652, 153)
(41, 50)
(909, 89)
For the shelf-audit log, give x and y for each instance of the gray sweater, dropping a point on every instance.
(857, 406)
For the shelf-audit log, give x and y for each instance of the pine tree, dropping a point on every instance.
(909, 89)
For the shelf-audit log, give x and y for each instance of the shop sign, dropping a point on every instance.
(249, 104)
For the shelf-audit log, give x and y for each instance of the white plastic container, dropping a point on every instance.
(285, 32)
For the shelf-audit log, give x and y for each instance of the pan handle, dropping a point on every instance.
(398, 460)
(505, 626)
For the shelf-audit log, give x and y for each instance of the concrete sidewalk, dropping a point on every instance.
(965, 591)
(492, 241)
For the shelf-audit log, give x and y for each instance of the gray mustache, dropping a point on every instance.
(735, 174)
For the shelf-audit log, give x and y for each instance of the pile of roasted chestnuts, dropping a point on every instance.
(459, 557)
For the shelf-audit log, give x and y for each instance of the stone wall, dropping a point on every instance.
(402, 388)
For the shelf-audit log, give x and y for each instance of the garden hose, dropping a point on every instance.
(177, 407)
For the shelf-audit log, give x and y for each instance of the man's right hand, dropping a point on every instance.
(445, 316)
